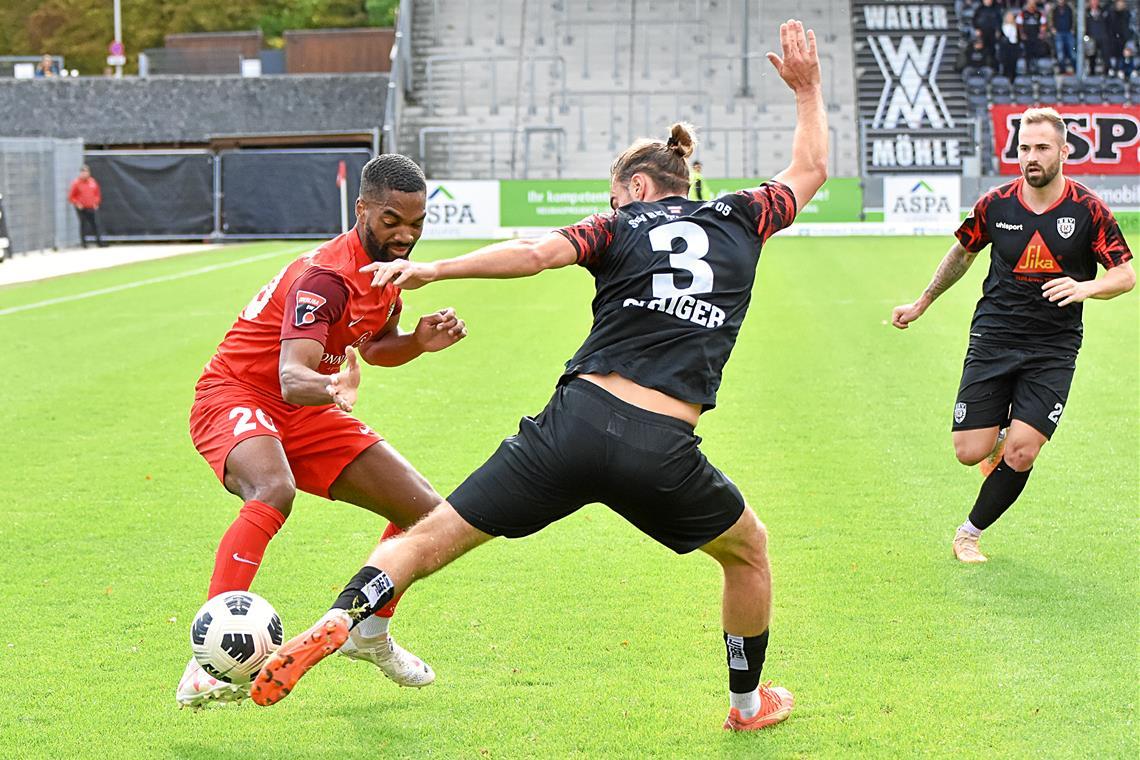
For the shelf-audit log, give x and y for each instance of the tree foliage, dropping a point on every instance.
(81, 30)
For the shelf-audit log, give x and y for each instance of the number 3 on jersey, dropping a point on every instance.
(689, 260)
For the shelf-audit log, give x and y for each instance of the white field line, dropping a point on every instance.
(150, 281)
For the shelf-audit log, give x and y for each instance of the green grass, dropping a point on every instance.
(588, 639)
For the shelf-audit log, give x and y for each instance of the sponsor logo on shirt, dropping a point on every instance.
(1008, 226)
(1037, 258)
(307, 305)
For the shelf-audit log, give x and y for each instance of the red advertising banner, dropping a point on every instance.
(1103, 139)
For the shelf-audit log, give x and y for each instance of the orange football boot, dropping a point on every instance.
(775, 705)
(990, 463)
(285, 668)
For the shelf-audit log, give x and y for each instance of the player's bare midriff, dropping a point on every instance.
(646, 398)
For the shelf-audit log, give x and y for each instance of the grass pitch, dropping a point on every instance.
(588, 639)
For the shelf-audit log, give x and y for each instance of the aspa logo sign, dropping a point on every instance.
(922, 199)
(461, 209)
(930, 201)
(442, 208)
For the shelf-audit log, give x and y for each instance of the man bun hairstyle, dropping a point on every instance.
(666, 162)
(391, 171)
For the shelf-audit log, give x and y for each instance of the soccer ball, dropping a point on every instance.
(233, 635)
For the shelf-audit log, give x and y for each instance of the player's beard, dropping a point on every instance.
(1044, 176)
(378, 252)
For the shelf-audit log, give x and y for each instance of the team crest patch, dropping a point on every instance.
(959, 412)
(1066, 225)
(307, 305)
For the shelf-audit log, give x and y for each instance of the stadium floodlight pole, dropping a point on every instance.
(118, 36)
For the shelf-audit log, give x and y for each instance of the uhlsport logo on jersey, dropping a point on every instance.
(307, 305)
(1066, 225)
(461, 209)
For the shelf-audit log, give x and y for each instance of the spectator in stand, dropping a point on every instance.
(1063, 25)
(86, 197)
(1031, 28)
(47, 68)
(975, 55)
(1128, 61)
(987, 20)
(1009, 45)
(1097, 38)
(1119, 31)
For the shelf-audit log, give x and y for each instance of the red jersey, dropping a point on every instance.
(85, 193)
(321, 296)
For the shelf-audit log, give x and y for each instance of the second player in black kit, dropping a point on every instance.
(1047, 236)
(1019, 340)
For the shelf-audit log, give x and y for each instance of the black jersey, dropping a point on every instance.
(1029, 249)
(673, 280)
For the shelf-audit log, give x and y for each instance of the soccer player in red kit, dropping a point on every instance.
(271, 409)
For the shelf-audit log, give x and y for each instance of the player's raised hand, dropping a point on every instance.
(402, 273)
(342, 385)
(440, 329)
(799, 65)
(903, 315)
(1065, 290)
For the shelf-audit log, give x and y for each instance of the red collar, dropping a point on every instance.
(1021, 197)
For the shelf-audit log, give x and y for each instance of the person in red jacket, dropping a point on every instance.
(86, 197)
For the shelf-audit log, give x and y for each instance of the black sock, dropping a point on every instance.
(745, 660)
(999, 491)
(365, 594)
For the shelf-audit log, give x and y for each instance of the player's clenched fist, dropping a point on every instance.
(903, 315)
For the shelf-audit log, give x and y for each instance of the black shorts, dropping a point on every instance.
(1003, 383)
(588, 446)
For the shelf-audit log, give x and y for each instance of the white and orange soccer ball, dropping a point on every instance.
(233, 635)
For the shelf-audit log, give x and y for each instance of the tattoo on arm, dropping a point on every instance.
(953, 265)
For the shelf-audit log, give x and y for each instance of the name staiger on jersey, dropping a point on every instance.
(1028, 249)
(673, 279)
(320, 296)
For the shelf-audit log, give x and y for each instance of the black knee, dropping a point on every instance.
(278, 494)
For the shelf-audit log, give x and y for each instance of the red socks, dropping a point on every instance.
(242, 547)
(389, 609)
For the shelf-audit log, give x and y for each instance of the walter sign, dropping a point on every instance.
(927, 201)
(904, 55)
(461, 209)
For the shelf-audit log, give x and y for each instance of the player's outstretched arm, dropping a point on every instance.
(434, 332)
(1116, 281)
(799, 68)
(510, 258)
(302, 384)
(953, 265)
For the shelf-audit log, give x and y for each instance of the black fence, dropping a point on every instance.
(194, 194)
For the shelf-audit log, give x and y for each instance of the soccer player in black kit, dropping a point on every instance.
(673, 281)
(1048, 234)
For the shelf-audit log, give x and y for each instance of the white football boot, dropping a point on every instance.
(198, 688)
(397, 663)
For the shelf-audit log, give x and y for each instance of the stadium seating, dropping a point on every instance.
(554, 88)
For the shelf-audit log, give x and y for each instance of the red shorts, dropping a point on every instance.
(319, 441)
